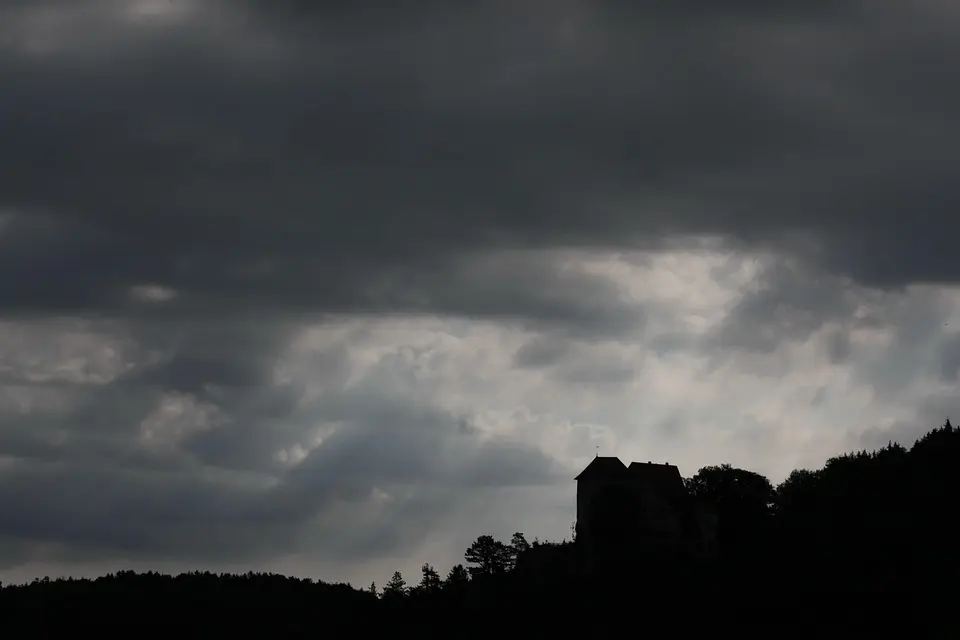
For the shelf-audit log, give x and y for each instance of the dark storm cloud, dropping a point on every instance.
(542, 351)
(352, 171)
(191, 507)
(83, 484)
(567, 361)
(787, 302)
(910, 329)
(392, 444)
(199, 356)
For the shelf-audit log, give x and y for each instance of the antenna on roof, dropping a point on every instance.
(598, 451)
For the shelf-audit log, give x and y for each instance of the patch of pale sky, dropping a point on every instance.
(152, 293)
(65, 350)
(296, 453)
(46, 401)
(472, 373)
(97, 31)
(154, 12)
(176, 416)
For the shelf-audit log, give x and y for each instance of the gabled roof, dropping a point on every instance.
(665, 478)
(668, 472)
(603, 466)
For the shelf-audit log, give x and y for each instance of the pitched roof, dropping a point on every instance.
(665, 478)
(669, 472)
(602, 466)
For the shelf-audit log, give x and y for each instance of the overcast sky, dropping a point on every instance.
(309, 288)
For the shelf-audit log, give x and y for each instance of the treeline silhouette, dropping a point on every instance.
(865, 543)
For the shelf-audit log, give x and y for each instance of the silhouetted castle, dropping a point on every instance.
(644, 508)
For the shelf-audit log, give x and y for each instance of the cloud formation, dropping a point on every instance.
(323, 289)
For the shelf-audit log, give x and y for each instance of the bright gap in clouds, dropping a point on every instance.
(672, 389)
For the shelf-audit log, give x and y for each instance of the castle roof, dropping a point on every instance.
(603, 467)
(664, 472)
(663, 478)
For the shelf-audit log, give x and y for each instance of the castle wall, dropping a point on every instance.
(658, 516)
(656, 525)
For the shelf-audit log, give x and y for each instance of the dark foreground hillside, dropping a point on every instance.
(683, 603)
(864, 545)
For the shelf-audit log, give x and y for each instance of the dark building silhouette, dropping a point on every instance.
(643, 510)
